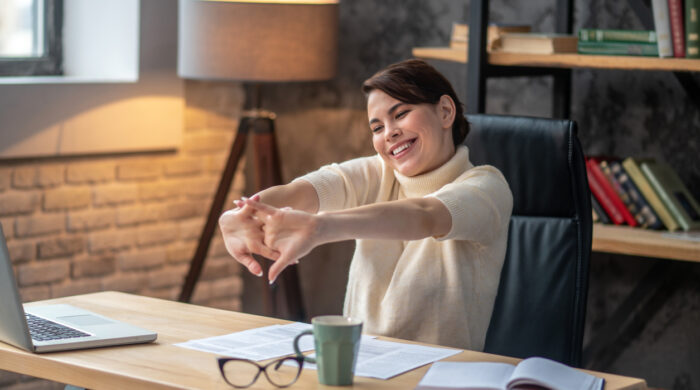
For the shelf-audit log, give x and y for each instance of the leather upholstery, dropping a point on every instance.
(541, 302)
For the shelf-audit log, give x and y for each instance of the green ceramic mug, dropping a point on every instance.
(337, 342)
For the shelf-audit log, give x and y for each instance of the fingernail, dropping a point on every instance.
(244, 198)
(272, 282)
(296, 261)
(259, 274)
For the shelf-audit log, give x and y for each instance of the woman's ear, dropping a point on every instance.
(446, 111)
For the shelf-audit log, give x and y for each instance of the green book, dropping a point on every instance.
(692, 29)
(673, 193)
(608, 35)
(619, 48)
(632, 168)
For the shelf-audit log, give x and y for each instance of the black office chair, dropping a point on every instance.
(541, 303)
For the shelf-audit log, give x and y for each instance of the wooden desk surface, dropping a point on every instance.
(161, 365)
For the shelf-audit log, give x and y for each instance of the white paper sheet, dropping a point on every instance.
(255, 344)
(385, 359)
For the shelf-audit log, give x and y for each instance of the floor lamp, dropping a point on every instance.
(255, 42)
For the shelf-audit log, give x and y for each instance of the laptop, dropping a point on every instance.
(51, 328)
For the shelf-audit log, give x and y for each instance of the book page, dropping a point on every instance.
(466, 375)
(552, 375)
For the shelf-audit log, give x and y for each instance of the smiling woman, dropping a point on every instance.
(430, 227)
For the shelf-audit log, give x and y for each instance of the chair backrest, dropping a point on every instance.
(541, 303)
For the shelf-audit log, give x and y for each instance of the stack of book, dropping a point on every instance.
(460, 34)
(676, 34)
(644, 193)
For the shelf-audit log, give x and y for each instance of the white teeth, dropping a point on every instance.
(401, 148)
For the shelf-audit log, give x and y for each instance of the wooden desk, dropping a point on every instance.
(162, 365)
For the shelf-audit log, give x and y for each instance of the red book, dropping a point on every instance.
(675, 13)
(606, 195)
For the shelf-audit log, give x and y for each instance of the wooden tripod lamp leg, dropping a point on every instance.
(197, 263)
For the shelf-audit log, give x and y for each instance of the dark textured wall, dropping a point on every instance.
(619, 112)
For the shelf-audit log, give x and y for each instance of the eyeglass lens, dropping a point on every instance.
(243, 373)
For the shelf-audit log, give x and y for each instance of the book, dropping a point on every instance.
(621, 193)
(673, 193)
(631, 166)
(662, 26)
(534, 372)
(606, 194)
(599, 214)
(675, 14)
(535, 43)
(609, 35)
(600, 194)
(460, 33)
(636, 203)
(619, 48)
(692, 29)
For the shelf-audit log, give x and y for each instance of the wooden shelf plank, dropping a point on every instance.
(565, 60)
(641, 242)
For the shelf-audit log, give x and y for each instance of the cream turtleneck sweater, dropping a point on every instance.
(434, 290)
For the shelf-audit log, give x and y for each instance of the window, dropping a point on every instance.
(30, 37)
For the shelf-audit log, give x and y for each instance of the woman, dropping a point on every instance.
(431, 228)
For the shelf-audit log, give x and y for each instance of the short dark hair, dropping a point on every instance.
(416, 82)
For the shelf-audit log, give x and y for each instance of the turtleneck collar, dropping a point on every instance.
(426, 183)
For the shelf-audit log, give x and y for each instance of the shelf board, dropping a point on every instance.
(642, 242)
(565, 60)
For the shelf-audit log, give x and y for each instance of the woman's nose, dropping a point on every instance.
(393, 132)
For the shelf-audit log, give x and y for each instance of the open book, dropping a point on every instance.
(530, 373)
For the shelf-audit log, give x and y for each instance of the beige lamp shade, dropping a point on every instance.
(258, 40)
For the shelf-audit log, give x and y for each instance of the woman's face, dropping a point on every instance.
(411, 138)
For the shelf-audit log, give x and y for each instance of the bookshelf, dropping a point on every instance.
(606, 238)
(567, 61)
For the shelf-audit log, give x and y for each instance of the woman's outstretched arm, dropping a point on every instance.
(294, 233)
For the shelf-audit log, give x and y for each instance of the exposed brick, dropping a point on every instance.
(225, 304)
(180, 252)
(216, 162)
(111, 240)
(90, 172)
(60, 247)
(138, 170)
(127, 216)
(205, 141)
(170, 293)
(217, 248)
(161, 234)
(182, 210)
(202, 292)
(25, 177)
(195, 117)
(184, 166)
(14, 203)
(228, 287)
(168, 277)
(21, 251)
(75, 287)
(159, 190)
(90, 220)
(66, 199)
(35, 293)
(93, 267)
(141, 260)
(238, 185)
(115, 194)
(44, 272)
(39, 225)
(190, 228)
(216, 268)
(223, 120)
(199, 188)
(50, 176)
(5, 175)
(133, 282)
(8, 227)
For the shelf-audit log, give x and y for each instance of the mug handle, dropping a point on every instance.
(296, 346)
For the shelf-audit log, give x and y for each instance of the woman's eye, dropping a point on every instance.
(401, 114)
(377, 129)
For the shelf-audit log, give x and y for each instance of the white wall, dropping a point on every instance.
(88, 113)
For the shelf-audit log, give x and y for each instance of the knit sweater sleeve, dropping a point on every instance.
(480, 203)
(349, 184)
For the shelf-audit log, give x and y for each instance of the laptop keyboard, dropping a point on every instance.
(42, 329)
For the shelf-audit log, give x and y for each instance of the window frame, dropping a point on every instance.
(51, 63)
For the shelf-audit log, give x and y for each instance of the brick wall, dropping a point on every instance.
(124, 222)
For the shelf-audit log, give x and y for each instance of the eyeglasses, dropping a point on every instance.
(241, 373)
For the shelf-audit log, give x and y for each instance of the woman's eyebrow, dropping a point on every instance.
(390, 112)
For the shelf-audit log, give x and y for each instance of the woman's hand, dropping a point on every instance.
(244, 236)
(292, 233)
